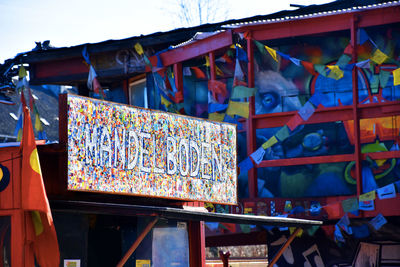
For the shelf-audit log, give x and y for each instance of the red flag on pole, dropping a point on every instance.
(43, 237)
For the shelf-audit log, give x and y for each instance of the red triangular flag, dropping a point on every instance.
(198, 72)
(309, 67)
(34, 201)
(218, 90)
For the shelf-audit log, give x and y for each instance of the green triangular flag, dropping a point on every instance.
(383, 78)
(283, 133)
(242, 92)
(320, 69)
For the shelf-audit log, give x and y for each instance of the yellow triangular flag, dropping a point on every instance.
(165, 102)
(218, 71)
(238, 108)
(139, 48)
(292, 229)
(272, 52)
(335, 73)
(207, 64)
(22, 72)
(396, 77)
(379, 57)
(272, 141)
(216, 116)
(38, 124)
(367, 196)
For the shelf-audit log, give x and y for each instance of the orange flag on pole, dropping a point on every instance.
(43, 237)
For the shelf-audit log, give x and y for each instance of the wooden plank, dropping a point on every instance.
(306, 160)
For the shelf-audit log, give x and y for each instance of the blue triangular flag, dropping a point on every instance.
(283, 55)
(241, 54)
(245, 165)
(85, 55)
(362, 36)
(215, 107)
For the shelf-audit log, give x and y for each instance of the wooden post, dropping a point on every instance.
(137, 242)
(356, 117)
(282, 249)
(250, 125)
(197, 244)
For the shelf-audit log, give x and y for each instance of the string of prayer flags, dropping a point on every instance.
(216, 116)
(385, 192)
(241, 54)
(350, 204)
(245, 165)
(366, 205)
(396, 77)
(271, 141)
(378, 221)
(139, 49)
(367, 196)
(294, 121)
(379, 57)
(272, 52)
(258, 155)
(306, 111)
(214, 107)
(283, 133)
(238, 108)
(335, 72)
(218, 90)
(242, 92)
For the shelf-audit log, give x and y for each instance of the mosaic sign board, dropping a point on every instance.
(114, 148)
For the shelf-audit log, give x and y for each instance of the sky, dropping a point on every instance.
(73, 22)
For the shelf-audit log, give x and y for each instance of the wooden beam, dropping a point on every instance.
(137, 242)
(195, 49)
(322, 23)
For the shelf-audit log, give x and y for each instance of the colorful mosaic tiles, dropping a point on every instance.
(115, 148)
